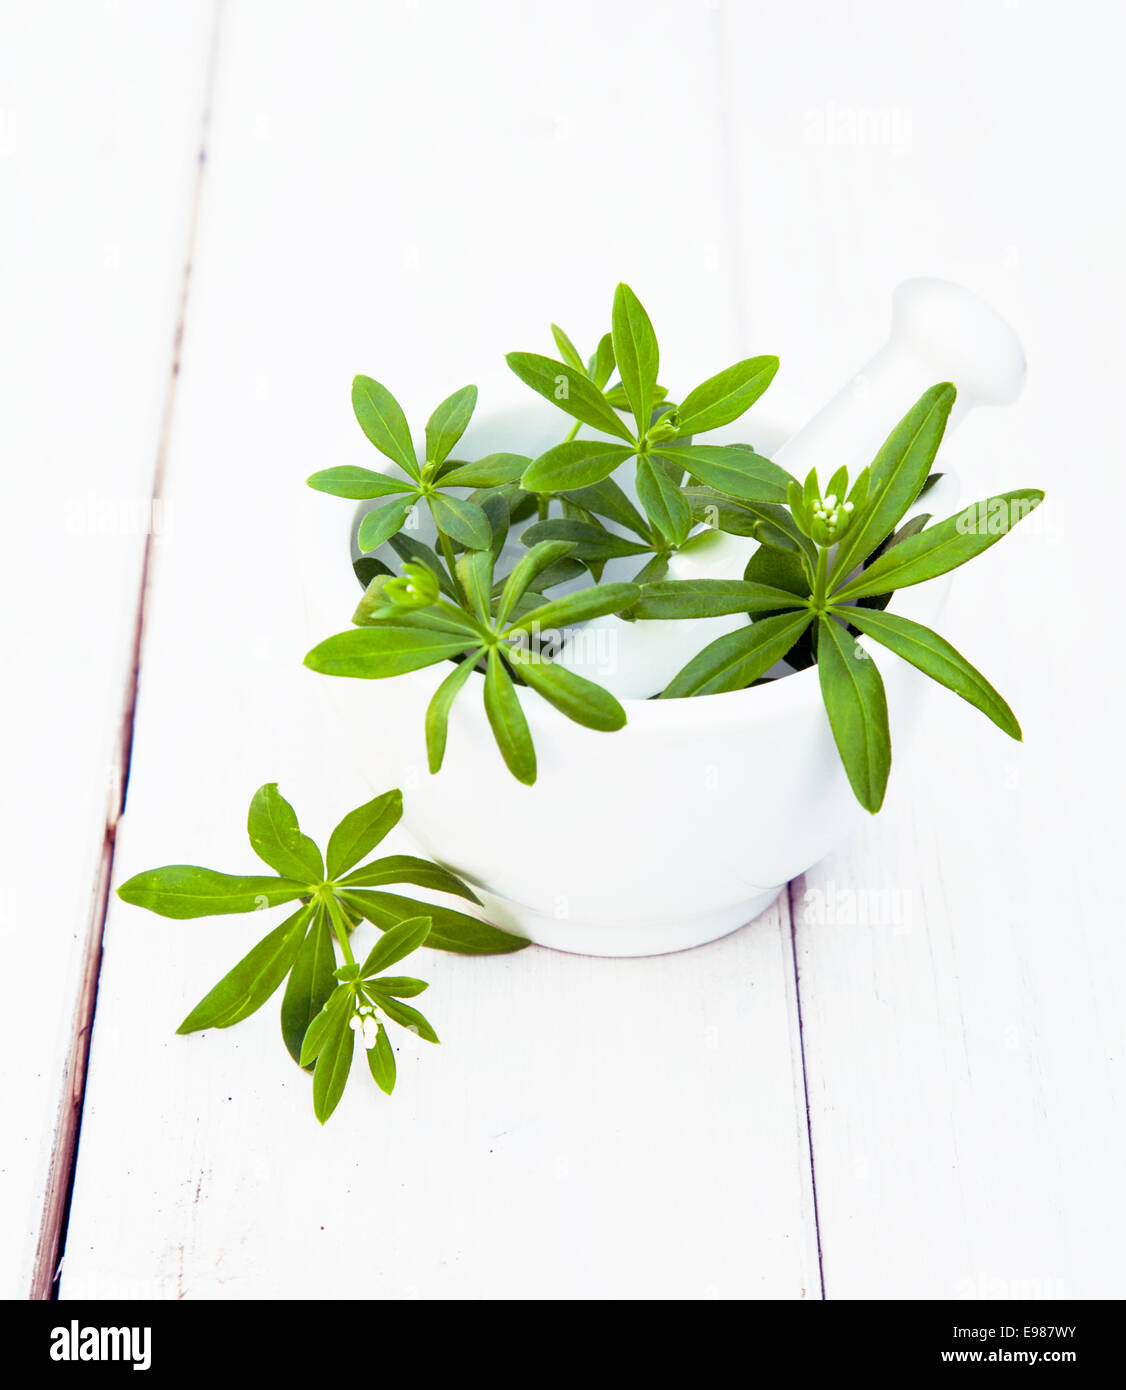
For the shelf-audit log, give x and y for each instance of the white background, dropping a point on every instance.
(411, 191)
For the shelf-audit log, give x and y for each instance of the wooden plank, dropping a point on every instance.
(610, 1128)
(961, 959)
(969, 1142)
(100, 111)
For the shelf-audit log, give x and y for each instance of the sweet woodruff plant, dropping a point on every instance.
(639, 487)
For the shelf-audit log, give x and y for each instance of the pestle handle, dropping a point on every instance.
(939, 332)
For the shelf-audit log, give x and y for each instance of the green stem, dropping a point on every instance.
(451, 564)
(340, 927)
(463, 615)
(820, 584)
(543, 499)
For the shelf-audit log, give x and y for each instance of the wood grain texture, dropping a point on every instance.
(961, 958)
(100, 110)
(639, 1128)
(588, 1128)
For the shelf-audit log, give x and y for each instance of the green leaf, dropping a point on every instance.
(635, 351)
(373, 653)
(710, 598)
(810, 490)
(577, 463)
(416, 588)
(380, 524)
(569, 389)
(250, 983)
(775, 526)
(440, 618)
(381, 1062)
(664, 503)
(382, 420)
(522, 505)
(908, 529)
(531, 564)
(367, 568)
(506, 717)
(334, 1062)
(385, 594)
(277, 840)
(671, 469)
(458, 619)
(493, 470)
(320, 1028)
(361, 830)
(558, 572)
(780, 569)
(738, 658)
(396, 943)
(837, 484)
(400, 986)
(184, 890)
(475, 571)
(905, 532)
(576, 697)
(311, 982)
(935, 656)
(795, 500)
(607, 499)
(726, 396)
(857, 707)
(720, 513)
(495, 507)
(446, 426)
(652, 572)
(409, 549)
(738, 473)
(357, 483)
(438, 710)
(943, 547)
(464, 521)
(567, 350)
(601, 365)
(450, 930)
(408, 868)
(580, 607)
(588, 541)
(616, 396)
(899, 471)
(407, 1017)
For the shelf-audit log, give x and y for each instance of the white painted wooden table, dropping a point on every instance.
(905, 1079)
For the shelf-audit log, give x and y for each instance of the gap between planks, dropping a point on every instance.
(791, 895)
(49, 1253)
(794, 888)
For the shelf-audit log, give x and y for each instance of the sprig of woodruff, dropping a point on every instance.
(639, 488)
